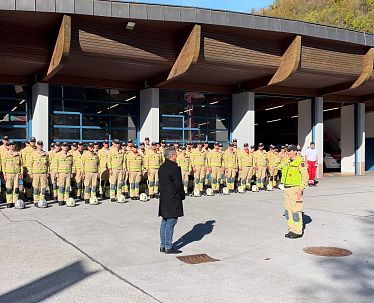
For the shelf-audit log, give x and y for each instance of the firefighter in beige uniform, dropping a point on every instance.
(260, 163)
(126, 148)
(64, 174)
(184, 162)
(26, 162)
(53, 168)
(134, 164)
(230, 164)
(295, 179)
(77, 170)
(117, 168)
(103, 168)
(90, 168)
(3, 150)
(245, 161)
(152, 161)
(214, 164)
(39, 166)
(13, 171)
(273, 166)
(198, 162)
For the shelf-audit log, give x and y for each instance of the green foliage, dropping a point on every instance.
(351, 14)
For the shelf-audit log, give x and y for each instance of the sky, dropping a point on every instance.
(232, 5)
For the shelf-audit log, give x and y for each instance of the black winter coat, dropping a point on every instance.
(171, 190)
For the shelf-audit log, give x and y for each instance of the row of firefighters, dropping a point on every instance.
(124, 170)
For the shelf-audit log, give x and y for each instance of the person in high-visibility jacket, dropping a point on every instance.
(64, 174)
(230, 164)
(53, 169)
(117, 168)
(26, 153)
(198, 162)
(245, 162)
(134, 164)
(184, 162)
(38, 170)
(77, 170)
(214, 164)
(295, 179)
(152, 161)
(162, 149)
(103, 168)
(273, 165)
(260, 163)
(90, 168)
(12, 168)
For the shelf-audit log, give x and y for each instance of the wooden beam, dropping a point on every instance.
(201, 87)
(287, 91)
(367, 71)
(366, 75)
(187, 58)
(20, 80)
(61, 50)
(290, 62)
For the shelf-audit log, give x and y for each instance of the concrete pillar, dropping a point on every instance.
(40, 113)
(304, 124)
(149, 115)
(310, 127)
(243, 118)
(347, 141)
(360, 138)
(317, 131)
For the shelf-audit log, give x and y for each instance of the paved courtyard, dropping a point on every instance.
(109, 253)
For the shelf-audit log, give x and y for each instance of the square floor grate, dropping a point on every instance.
(197, 259)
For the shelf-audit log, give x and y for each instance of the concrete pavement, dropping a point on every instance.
(109, 253)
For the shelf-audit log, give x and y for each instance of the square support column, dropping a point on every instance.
(243, 118)
(40, 113)
(353, 139)
(310, 127)
(149, 115)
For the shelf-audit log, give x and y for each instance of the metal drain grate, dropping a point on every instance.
(197, 259)
(328, 251)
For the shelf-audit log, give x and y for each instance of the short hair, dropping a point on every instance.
(312, 143)
(169, 152)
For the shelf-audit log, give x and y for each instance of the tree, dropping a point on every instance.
(350, 14)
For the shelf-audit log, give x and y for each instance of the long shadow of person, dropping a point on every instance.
(195, 234)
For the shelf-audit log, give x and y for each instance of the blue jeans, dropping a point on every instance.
(166, 232)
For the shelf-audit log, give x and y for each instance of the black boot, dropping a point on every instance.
(87, 201)
(9, 205)
(60, 203)
(36, 204)
(113, 200)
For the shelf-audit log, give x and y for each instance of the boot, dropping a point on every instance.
(87, 201)
(60, 203)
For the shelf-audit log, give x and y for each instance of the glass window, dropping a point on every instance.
(96, 113)
(14, 101)
(202, 116)
(60, 134)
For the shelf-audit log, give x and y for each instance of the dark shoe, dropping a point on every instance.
(60, 203)
(151, 196)
(36, 204)
(9, 205)
(132, 198)
(87, 201)
(172, 251)
(113, 200)
(136, 198)
(287, 235)
(162, 249)
(157, 196)
(102, 196)
(294, 236)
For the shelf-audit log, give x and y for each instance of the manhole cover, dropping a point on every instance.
(328, 251)
(197, 259)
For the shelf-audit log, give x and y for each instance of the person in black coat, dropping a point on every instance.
(171, 197)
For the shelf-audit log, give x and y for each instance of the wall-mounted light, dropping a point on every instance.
(130, 25)
(275, 107)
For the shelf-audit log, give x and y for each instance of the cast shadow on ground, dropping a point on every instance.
(47, 286)
(353, 274)
(197, 233)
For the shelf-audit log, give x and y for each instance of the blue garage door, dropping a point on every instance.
(369, 161)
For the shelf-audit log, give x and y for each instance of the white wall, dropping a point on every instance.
(243, 118)
(149, 114)
(40, 113)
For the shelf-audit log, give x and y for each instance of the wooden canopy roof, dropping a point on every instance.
(87, 42)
